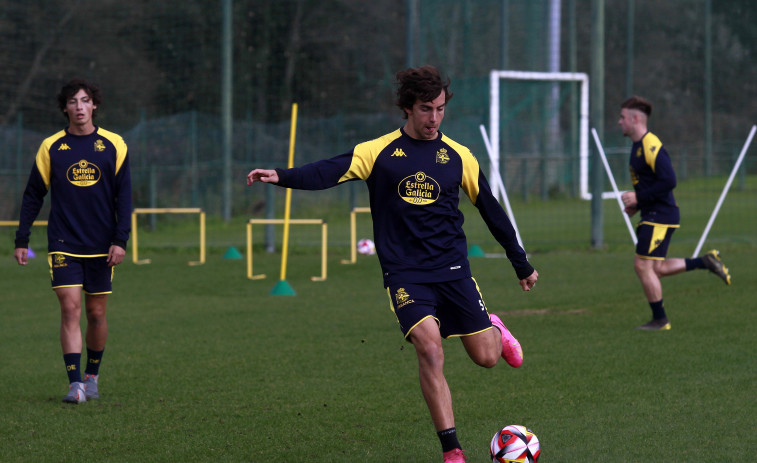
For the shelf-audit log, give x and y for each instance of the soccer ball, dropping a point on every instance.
(366, 247)
(515, 444)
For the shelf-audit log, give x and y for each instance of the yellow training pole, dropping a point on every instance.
(282, 287)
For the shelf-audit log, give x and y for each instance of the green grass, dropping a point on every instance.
(203, 364)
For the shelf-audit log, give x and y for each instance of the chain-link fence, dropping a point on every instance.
(160, 68)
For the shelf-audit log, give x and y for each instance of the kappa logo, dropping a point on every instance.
(638, 152)
(99, 145)
(399, 153)
(442, 157)
(653, 149)
(64, 147)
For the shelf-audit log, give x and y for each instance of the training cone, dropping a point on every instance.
(283, 288)
(232, 253)
(31, 254)
(476, 251)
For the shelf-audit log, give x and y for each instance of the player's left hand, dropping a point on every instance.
(529, 282)
(115, 255)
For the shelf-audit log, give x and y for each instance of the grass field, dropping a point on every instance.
(203, 364)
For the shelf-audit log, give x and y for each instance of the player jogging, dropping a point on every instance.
(414, 176)
(86, 169)
(653, 181)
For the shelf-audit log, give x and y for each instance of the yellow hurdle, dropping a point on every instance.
(324, 243)
(353, 233)
(169, 210)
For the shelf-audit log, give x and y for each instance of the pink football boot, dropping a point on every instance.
(511, 350)
(454, 456)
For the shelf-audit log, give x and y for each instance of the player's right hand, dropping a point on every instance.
(262, 175)
(21, 255)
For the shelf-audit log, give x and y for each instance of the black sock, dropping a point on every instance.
(93, 361)
(448, 438)
(695, 263)
(72, 367)
(658, 310)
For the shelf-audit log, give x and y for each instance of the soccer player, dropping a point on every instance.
(414, 175)
(653, 181)
(86, 169)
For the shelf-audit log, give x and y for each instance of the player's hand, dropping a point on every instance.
(21, 255)
(115, 255)
(630, 204)
(529, 282)
(262, 175)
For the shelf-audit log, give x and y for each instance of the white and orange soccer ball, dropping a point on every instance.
(366, 247)
(515, 444)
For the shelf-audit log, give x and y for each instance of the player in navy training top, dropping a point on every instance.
(653, 181)
(414, 176)
(86, 169)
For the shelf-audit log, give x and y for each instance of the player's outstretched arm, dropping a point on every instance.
(529, 282)
(262, 175)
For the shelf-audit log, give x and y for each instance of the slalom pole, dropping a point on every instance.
(500, 185)
(283, 288)
(614, 186)
(725, 191)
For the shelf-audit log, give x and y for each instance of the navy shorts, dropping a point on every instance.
(457, 306)
(653, 240)
(91, 273)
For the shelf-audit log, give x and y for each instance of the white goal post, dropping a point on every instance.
(496, 76)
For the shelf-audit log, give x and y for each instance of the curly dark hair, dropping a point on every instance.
(72, 87)
(420, 84)
(638, 103)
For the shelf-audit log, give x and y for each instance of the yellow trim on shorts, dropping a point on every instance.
(83, 256)
(469, 334)
(67, 286)
(419, 322)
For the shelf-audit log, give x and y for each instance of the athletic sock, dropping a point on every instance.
(658, 310)
(695, 263)
(448, 438)
(72, 367)
(93, 361)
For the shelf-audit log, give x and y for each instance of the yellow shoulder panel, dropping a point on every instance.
(470, 168)
(364, 156)
(43, 156)
(119, 143)
(652, 146)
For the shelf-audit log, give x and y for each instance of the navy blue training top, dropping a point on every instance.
(90, 187)
(653, 181)
(414, 195)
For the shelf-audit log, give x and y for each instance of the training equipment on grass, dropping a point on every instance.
(366, 247)
(287, 208)
(353, 233)
(324, 244)
(725, 191)
(515, 444)
(498, 185)
(170, 210)
(616, 193)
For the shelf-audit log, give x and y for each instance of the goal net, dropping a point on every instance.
(539, 129)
